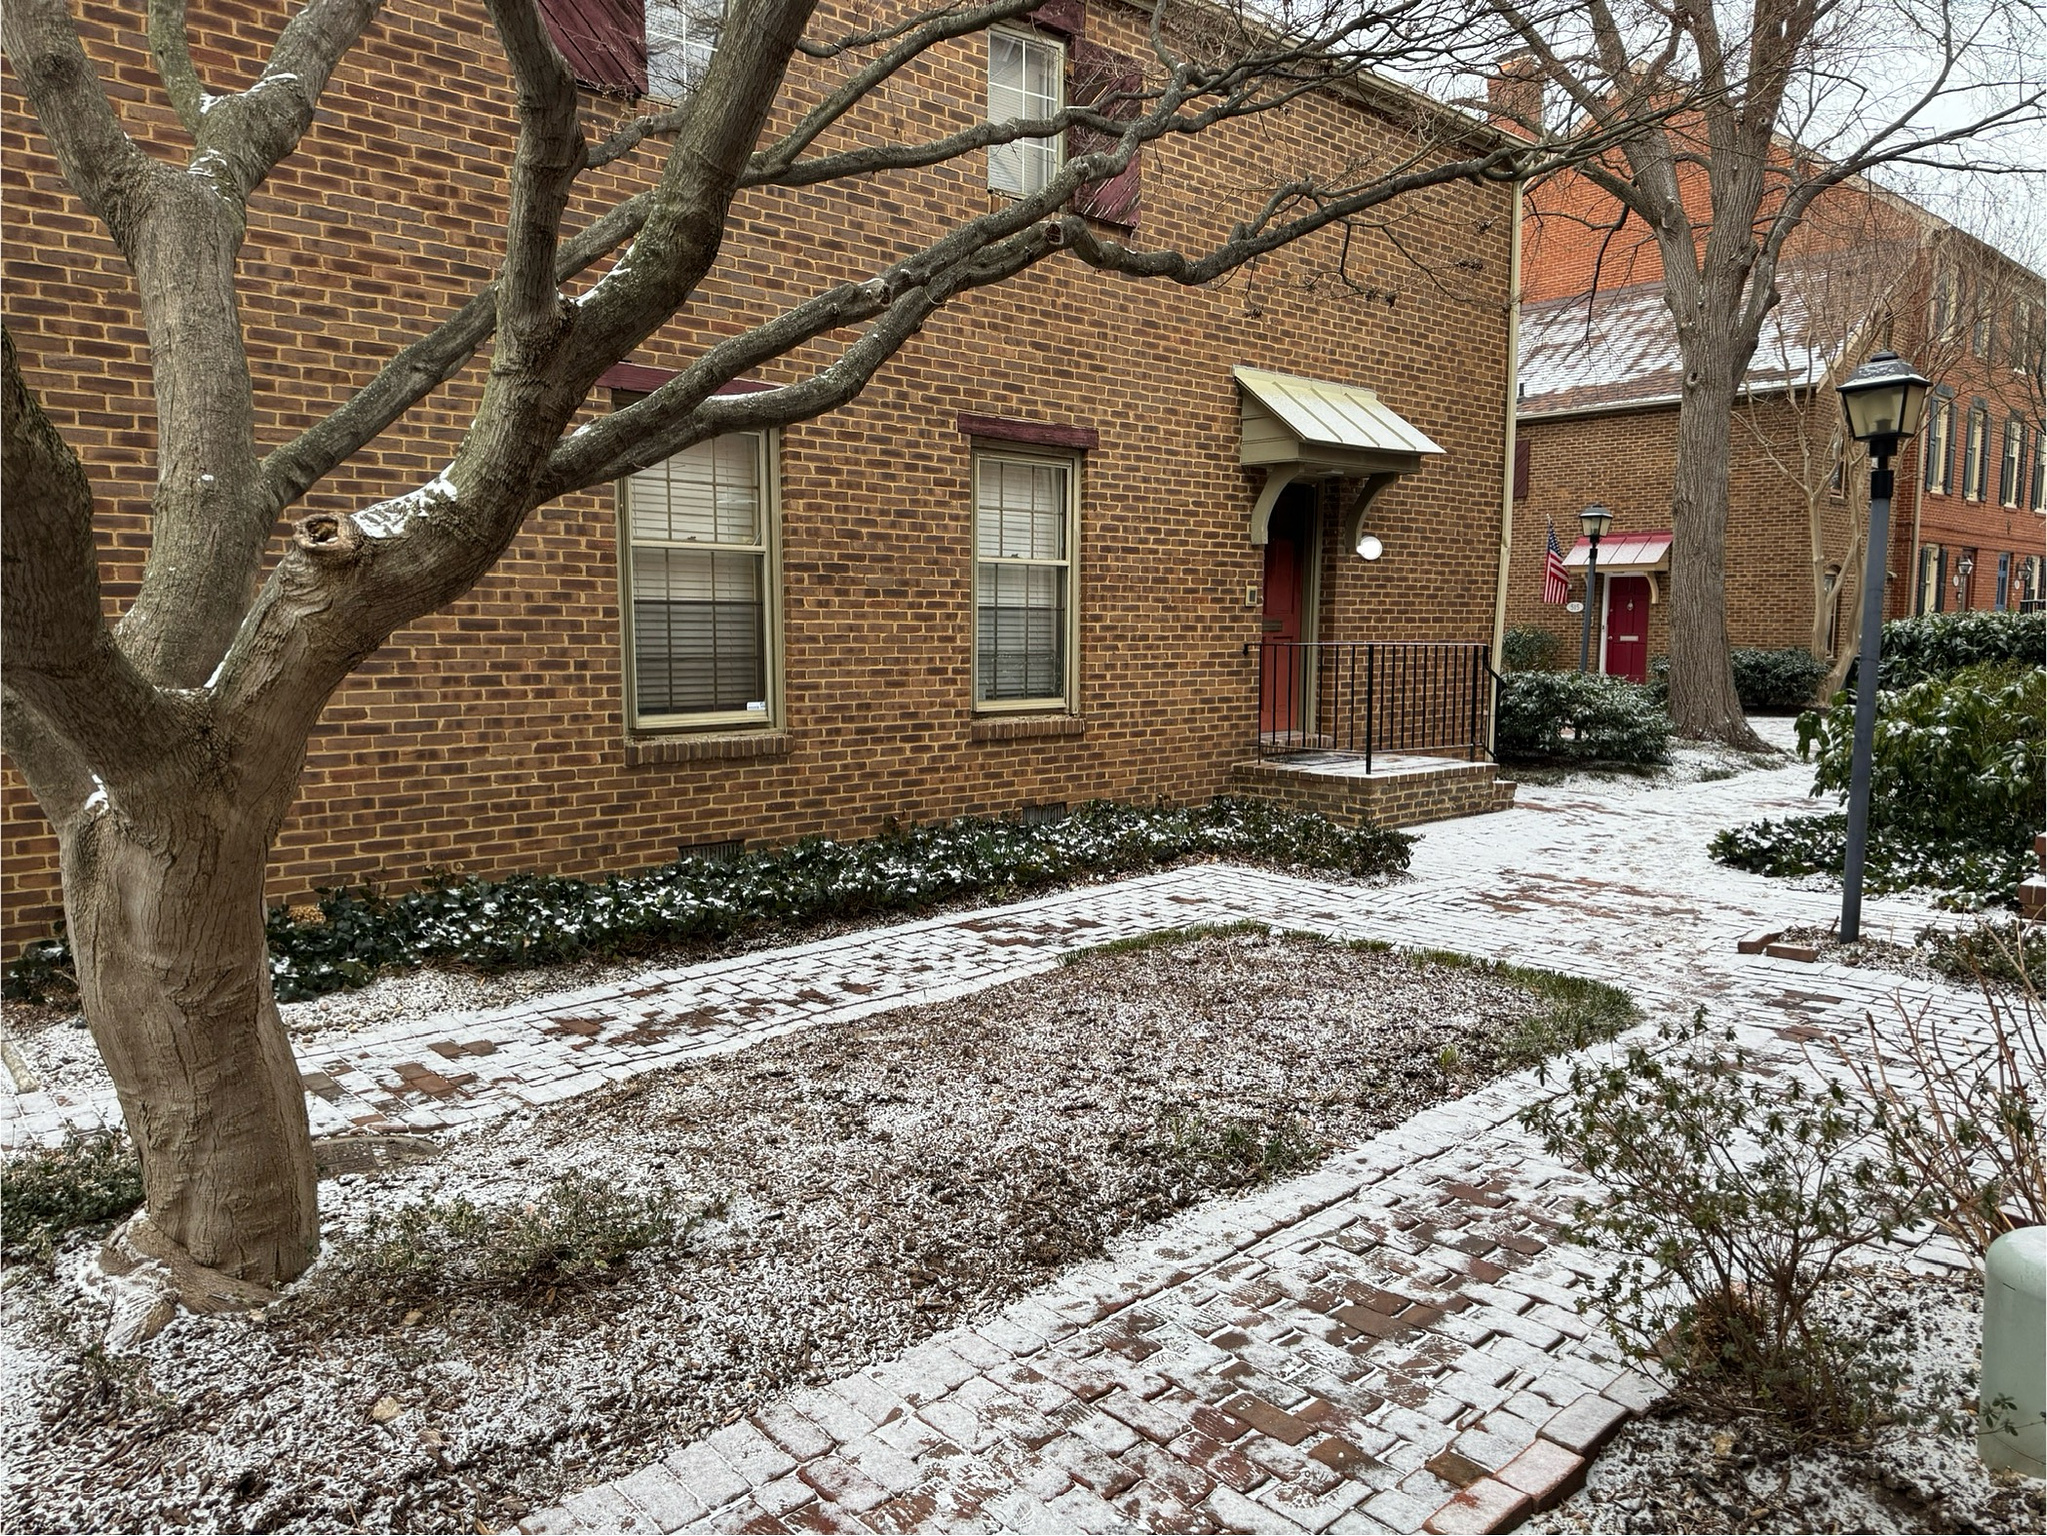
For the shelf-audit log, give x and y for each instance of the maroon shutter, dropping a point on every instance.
(1066, 17)
(1093, 74)
(1521, 469)
(605, 42)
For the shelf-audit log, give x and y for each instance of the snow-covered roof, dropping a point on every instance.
(1618, 350)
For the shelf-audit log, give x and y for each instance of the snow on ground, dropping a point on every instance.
(882, 1180)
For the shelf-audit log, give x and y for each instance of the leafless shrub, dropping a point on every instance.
(1964, 1111)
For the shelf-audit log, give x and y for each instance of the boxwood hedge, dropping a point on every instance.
(525, 920)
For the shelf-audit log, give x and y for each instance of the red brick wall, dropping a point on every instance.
(1623, 460)
(489, 737)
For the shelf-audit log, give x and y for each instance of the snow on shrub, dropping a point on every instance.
(1579, 717)
(527, 920)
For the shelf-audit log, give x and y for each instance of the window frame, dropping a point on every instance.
(768, 448)
(1940, 436)
(2011, 462)
(1073, 463)
(691, 24)
(1029, 38)
(1976, 452)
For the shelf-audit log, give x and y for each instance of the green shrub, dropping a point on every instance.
(580, 1232)
(41, 971)
(1957, 774)
(540, 920)
(1966, 875)
(1528, 649)
(1732, 1199)
(1579, 717)
(1944, 643)
(1961, 757)
(49, 1191)
(1776, 680)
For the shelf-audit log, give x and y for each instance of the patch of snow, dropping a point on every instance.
(395, 516)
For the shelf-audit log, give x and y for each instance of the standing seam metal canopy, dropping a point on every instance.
(1296, 429)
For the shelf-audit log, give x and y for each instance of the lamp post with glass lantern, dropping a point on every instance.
(1964, 568)
(1592, 522)
(1883, 401)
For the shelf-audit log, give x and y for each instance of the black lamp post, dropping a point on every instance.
(1884, 400)
(1592, 522)
(1964, 568)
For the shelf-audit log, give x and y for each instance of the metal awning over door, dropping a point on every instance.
(1309, 429)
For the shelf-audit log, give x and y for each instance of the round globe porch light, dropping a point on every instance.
(1370, 547)
(1883, 400)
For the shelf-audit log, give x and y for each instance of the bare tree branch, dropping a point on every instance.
(172, 50)
(60, 658)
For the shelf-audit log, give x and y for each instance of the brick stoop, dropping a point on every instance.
(2033, 889)
(1403, 797)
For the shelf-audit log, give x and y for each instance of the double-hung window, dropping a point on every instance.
(701, 618)
(1938, 444)
(681, 37)
(2013, 460)
(1024, 536)
(1976, 453)
(1026, 81)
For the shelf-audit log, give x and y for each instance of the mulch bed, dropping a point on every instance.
(877, 1182)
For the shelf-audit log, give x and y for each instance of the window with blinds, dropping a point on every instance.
(700, 575)
(1026, 79)
(1023, 565)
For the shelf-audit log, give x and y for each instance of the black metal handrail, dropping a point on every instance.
(1358, 698)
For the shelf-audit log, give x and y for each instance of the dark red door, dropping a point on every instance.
(1627, 627)
(1284, 687)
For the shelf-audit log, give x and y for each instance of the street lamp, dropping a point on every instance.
(1592, 522)
(1964, 567)
(1883, 400)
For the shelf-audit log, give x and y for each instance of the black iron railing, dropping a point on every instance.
(1424, 697)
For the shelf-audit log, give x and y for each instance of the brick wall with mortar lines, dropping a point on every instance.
(1624, 460)
(489, 737)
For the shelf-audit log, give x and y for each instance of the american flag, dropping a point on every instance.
(1556, 584)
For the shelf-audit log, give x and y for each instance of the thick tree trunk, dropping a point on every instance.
(1703, 702)
(166, 924)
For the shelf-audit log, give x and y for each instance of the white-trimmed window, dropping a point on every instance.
(1026, 80)
(2039, 475)
(2013, 461)
(1976, 454)
(681, 37)
(1025, 529)
(1939, 443)
(700, 570)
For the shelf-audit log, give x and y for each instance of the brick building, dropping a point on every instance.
(1033, 564)
(1597, 422)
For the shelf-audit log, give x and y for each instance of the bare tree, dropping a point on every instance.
(166, 748)
(1838, 306)
(1788, 99)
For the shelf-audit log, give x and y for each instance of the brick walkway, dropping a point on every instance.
(1388, 1343)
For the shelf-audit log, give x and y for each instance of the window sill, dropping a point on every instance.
(646, 750)
(1026, 727)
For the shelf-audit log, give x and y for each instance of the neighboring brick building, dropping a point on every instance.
(1600, 380)
(1019, 571)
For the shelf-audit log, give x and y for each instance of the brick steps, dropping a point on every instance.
(1406, 798)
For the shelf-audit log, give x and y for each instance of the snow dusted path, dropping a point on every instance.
(1388, 1343)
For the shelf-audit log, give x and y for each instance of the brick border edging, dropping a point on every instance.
(1545, 1474)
